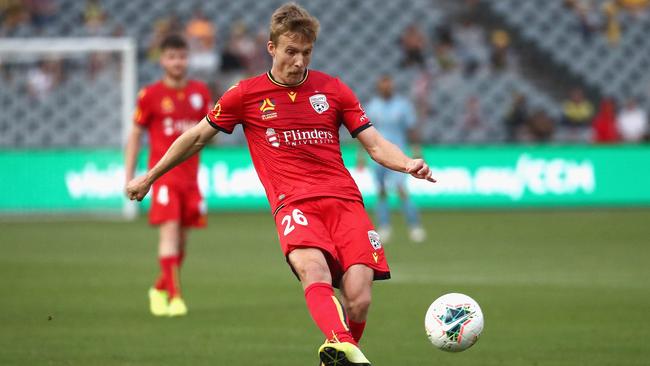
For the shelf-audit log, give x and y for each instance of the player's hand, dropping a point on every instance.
(137, 188)
(419, 169)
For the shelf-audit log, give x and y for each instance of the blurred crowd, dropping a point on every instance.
(607, 18)
(221, 60)
(465, 48)
(457, 49)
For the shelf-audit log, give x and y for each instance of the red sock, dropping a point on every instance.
(169, 267)
(161, 284)
(327, 312)
(356, 329)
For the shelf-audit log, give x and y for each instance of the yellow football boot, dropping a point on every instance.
(158, 302)
(342, 354)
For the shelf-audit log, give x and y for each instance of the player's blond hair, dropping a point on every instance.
(293, 18)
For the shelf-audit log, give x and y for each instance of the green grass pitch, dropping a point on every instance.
(556, 287)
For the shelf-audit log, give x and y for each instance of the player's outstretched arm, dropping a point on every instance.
(387, 154)
(131, 150)
(186, 145)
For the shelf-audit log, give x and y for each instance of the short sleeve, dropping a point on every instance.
(353, 115)
(227, 113)
(142, 114)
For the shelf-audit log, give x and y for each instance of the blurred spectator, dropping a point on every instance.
(44, 78)
(161, 29)
(243, 45)
(237, 58)
(262, 60)
(638, 8)
(444, 51)
(540, 126)
(612, 24)
(500, 54)
(42, 11)
(589, 19)
(472, 126)
(470, 43)
(413, 43)
(203, 56)
(604, 125)
(13, 15)
(95, 18)
(445, 57)
(516, 118)
(632, 122)
(577, 111)
(421, 94)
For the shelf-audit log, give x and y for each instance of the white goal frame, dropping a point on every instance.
(127, 49)
(125, 46)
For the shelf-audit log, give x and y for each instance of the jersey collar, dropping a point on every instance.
(304, 78)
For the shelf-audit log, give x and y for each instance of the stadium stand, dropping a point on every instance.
(614, 68)
(359, 41)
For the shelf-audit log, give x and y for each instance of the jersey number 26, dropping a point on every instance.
(298, 218)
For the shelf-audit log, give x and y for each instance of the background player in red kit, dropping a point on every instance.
(291, 118)
(165, 110)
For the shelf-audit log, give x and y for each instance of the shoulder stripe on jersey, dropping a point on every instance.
(358, 130)
(304, 78)
(216, 126)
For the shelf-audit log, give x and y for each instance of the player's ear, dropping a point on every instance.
(270, 48)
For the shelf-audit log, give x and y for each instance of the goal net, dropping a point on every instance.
(66, 108)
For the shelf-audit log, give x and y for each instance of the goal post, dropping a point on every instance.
(63, 101)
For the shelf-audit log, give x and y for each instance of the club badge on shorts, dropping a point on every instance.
(375, 241)
(319, 103)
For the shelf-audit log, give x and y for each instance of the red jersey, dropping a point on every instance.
(293, 134)
(167, 113)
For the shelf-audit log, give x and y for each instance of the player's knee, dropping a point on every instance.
(358, 306)
(311, 271)
(168, 248)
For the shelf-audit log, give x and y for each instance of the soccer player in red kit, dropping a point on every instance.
(291, 118)
(165, 110)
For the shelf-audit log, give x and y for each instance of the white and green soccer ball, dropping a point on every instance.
(454, 322)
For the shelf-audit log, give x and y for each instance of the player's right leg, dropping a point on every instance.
(169, 254)
(356, 290)
(312, 269)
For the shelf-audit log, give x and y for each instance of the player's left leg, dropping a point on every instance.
(382, 208)
(177, 306)
(416, 231)
(169, 253)
(356, 291)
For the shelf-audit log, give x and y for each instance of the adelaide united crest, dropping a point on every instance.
(319, 103)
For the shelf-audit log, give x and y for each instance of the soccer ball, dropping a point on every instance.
(453, 322)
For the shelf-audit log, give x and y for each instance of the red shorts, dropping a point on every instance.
(174, 203)
(340, 228)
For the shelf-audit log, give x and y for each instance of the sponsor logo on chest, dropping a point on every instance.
(298, 137)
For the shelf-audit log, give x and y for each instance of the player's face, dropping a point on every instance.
(174, 62)
(291, 57)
